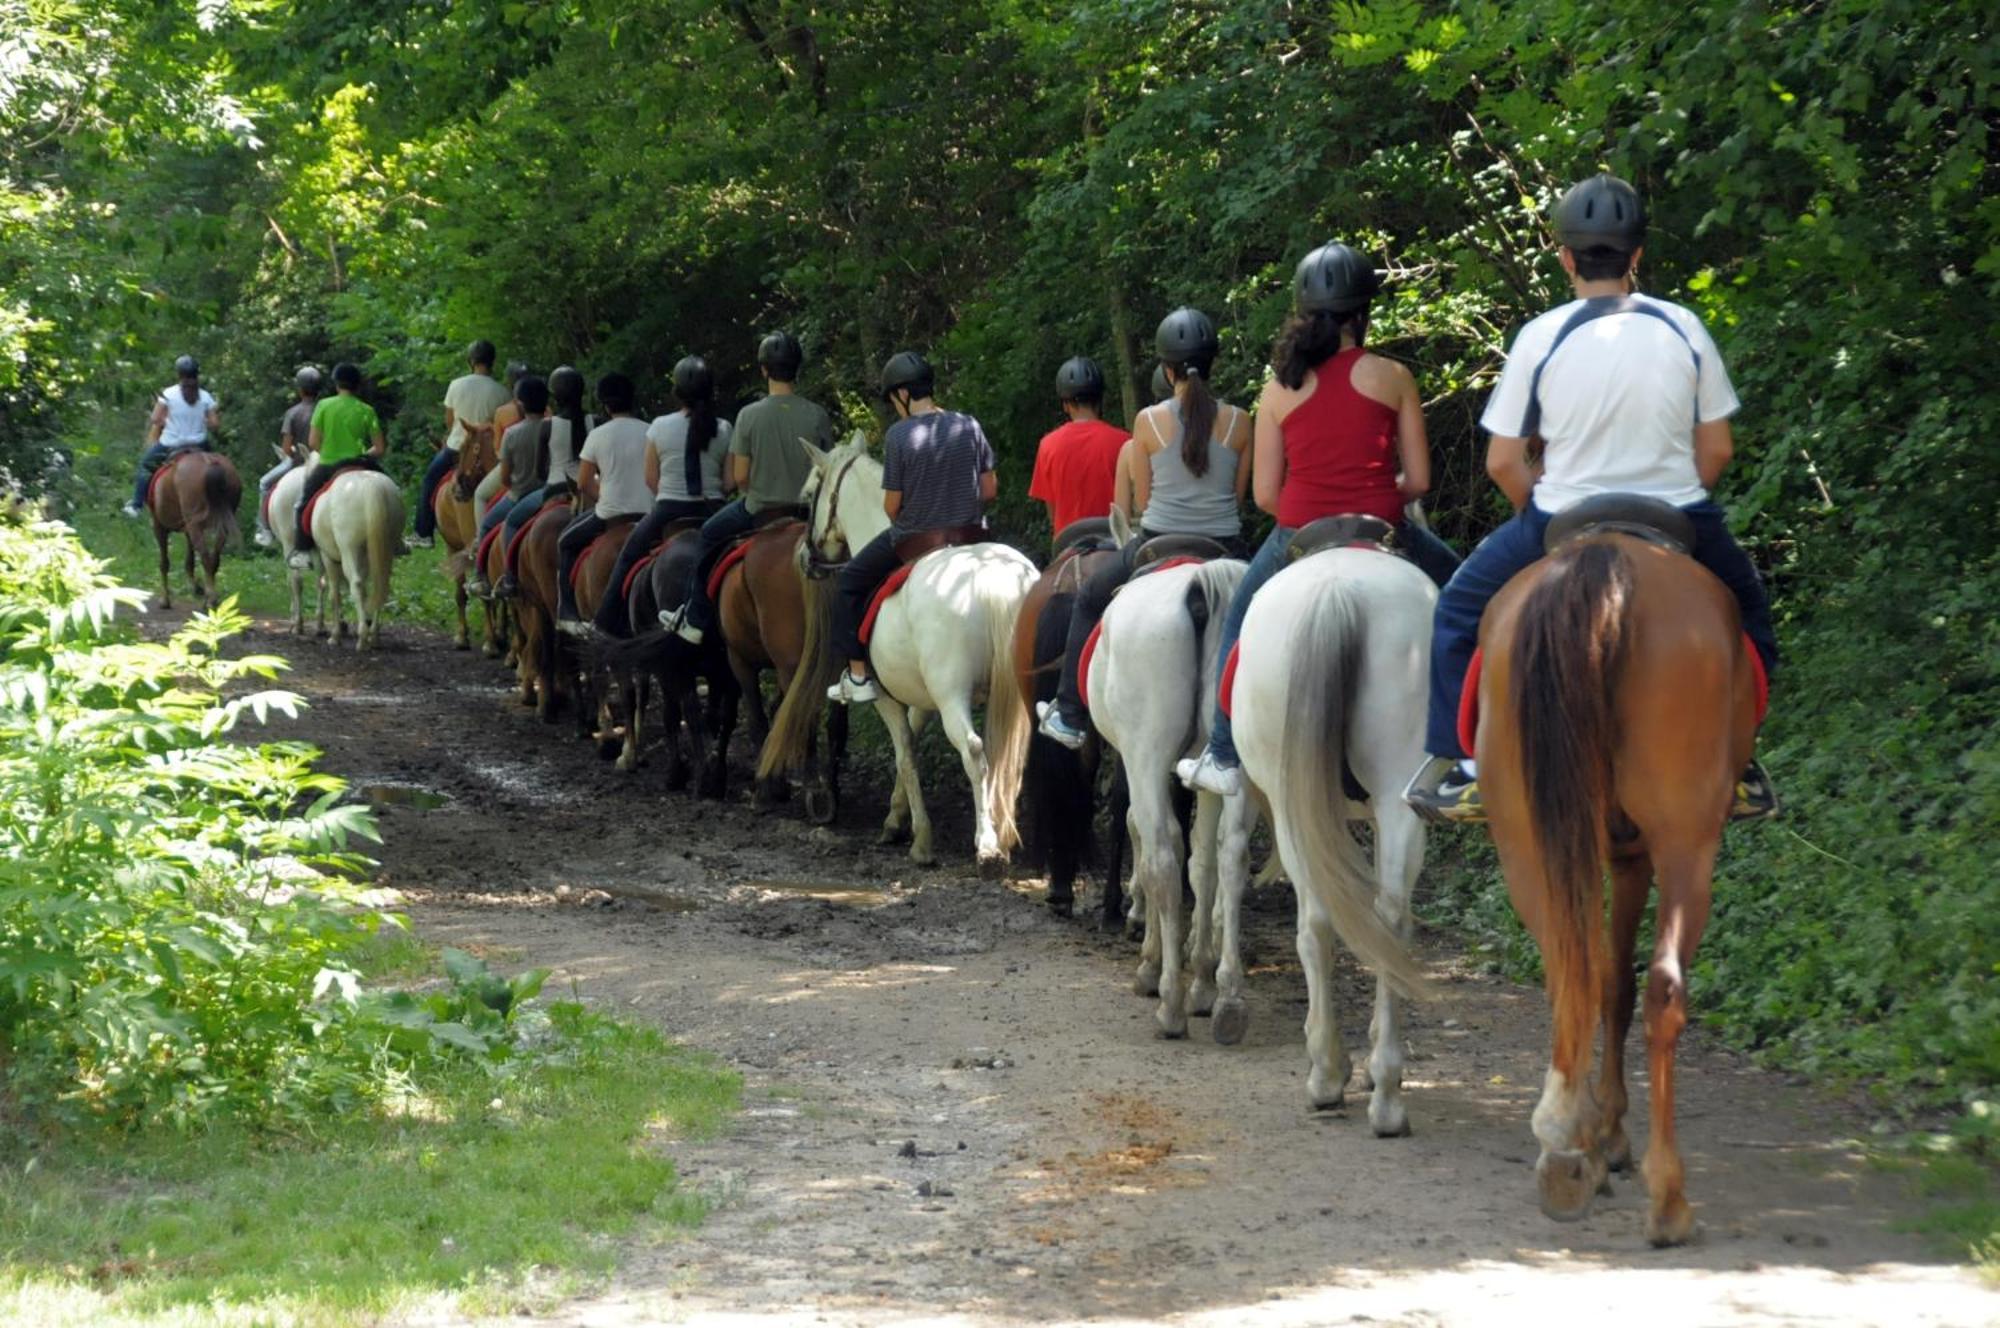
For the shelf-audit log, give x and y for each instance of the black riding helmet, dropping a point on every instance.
(516, 371)
(1602, 212)
(1334, 279)
(693, 380)
(186, 367)
(309, 380)
(907, 371)
(1080, 380)
(780, 355)
(1186, 341)
(566, 385)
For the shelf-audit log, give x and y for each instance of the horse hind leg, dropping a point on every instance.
(1632, 882)
(908, 798)
(1326, 1080)
(463, 640)
(1685, 877)
(164, 537)
(1202, 871)
(956, 715)
(1230, 1019)
(1399, 852)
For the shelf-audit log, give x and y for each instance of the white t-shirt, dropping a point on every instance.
(1620, 399)
(668, 436)
(187, 422)
(562, 453)
(472, 399)
(617, 448)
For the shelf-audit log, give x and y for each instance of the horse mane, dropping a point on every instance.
(1568, 650)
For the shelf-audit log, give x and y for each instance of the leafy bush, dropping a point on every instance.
(178, 922)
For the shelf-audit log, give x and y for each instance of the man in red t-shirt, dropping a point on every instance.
(1076, 465)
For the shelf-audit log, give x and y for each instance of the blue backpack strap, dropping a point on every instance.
(1602, 306)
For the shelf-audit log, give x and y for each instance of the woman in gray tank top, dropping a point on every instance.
(1189, 473)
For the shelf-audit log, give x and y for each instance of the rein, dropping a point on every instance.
(818, 568)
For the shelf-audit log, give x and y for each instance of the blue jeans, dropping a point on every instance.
(151, 460)
(719, 530)
(1432, 556)
(441, 464)
(1516, 545)
(496, 514)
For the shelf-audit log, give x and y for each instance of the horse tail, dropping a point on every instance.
(803, 703)
(1569, 641)
(1213, 587)
(1314, 839)
(220, 492)
(1007, 728)
(1057, 780)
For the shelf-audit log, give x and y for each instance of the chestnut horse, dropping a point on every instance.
(458, 526)
(197, 496)
(764, 606)
(1618, 701)
(542, 648)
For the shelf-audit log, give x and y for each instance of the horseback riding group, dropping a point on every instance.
(1588, 681)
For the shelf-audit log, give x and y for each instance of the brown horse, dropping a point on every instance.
(1618, 702)
(196, 494)
(506, 622)
(542, 647)
(592, 571)
(458, 527)
(1059, 783)
(764, 608)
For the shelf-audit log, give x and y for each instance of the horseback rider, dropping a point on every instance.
(522, 468)
(562, 429)
(345, 433)
(183, 415)
(1340, 430)
(1640, 405)
(684, 454)
(611, 476)
(1076, 464)
(937, 474)
(767, 468)
(469, 403)
(504, 418)
(294, 446)
(1189, 471)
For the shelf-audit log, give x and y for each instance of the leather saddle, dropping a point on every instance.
(1343, 532)
(1648, 519)
(1091, 532)
(912, 547)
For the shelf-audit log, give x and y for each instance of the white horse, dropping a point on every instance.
(941, 643)
(1333, 663)
(285, 498)
(1150, 682)
(357, 532)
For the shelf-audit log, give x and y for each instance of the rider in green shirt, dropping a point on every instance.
(346, 433)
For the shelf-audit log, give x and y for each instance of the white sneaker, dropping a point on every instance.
(576, 627)
(851, 690)
(133, 510)
(418, 541)
(1205, 774)
(300, 561)
(675, 621)
(265, 540)
(1056, 729)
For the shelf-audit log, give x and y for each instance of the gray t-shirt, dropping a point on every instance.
(296, 428)
(768, 432)
(935, 462)
(518, 448)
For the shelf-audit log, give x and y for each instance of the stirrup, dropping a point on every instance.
(1439, 798)
(1755, 799)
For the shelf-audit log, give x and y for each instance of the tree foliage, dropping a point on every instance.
(1007, 183)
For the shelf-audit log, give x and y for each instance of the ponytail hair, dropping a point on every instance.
(1198, 410)
(1307, 341)
(702, 422)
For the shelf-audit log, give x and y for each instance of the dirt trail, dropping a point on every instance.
(955, 1110)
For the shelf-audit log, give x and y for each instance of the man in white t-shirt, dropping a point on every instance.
(1626, 394)
(182, 417)
(469, 403)
(611, 477)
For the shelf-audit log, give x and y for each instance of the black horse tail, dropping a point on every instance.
(1059, 785)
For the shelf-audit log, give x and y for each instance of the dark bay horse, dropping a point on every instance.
(547, 670)
(196, 493)
(1618, 701)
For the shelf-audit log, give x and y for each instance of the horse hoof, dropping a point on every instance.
(992, 866)
(922, 856)
(1112, 921)
(1388, 1117)
(1567, 1181)
(461, 645)
(1201, 998)
(893, 835)
(820, 806)
(1173, 1028)
(1146, 982)
(1675, 1226)
(1230, 1022)
(1063, 906)
(1617, 1152)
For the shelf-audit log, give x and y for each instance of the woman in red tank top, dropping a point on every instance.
(1338, 431)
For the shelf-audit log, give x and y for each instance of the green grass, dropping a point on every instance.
(487, 1194)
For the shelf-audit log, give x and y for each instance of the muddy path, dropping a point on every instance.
(956, 1111)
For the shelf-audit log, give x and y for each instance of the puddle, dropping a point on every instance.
(384, 796)
(833, 892)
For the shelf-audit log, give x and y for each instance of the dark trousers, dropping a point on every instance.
(316, 479)
(440, 466)
(613, 615)
(1455, 632)
(151, 460)
(855, 585)
(717, 532)
(576, 537)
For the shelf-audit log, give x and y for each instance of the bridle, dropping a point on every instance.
(819, 568)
